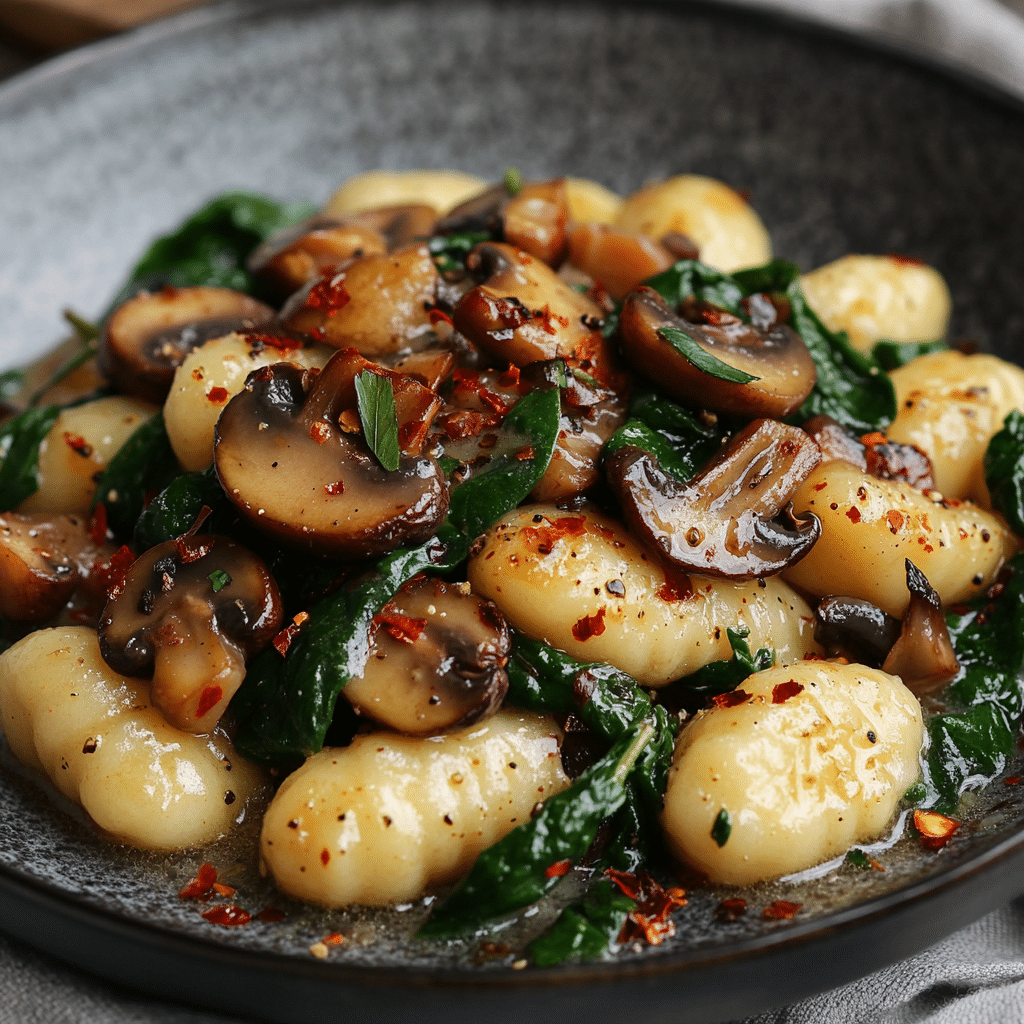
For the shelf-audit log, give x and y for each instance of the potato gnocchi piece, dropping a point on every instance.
(870, 526)
(815, 759)
(949, 405)
(729, 233)
(94, 734)
(873, 297)
(78, 446)
(443, 190)
(582, 584)
(389, 817)
(208, 379)
(591, 202)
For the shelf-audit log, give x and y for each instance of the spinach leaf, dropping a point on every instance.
(285, 705)
(521, 868)
(145, 463)
(1004, 471)
(20, 438)
(724, 676)
(890, 355)
(175, 508)
(584, 930)
(211, 246)
(450, 251)
(690, 350)
(970, 746)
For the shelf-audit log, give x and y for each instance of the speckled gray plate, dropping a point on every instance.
(843, 148)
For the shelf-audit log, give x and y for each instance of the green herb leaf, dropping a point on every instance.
(584, 930)
(513, 181)
(219, 579)
(376, 399)
(175, 508)
(724, 676)
(687, 346)
(450, 251)
(1004, 471)
(722, 828)
(20, 438)
(890, 355)
(858, 858)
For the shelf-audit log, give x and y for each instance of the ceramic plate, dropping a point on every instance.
(843, 149)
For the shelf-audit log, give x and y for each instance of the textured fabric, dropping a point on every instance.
(974, 977)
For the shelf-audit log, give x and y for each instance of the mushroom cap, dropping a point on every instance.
(437, 662)
(299, 478)
(148, 336)
(775, 355)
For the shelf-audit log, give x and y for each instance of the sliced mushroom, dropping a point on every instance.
(851, 628)
(190, 613)
(44, 559)
(734, 518)
(297, 476)
(774, 355)
(377, 304)
(437, 662)
(147, 337)
(618, 260)
(524, 312)
(923, 656)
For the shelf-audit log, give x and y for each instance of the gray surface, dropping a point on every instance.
(857, 160)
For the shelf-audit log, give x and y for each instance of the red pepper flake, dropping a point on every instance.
(319, 431)
(338, 487)
(821, 486)
(271, 915)
(258, 342)
(284, 639)
(217, 395)
(559, 868)
(197, 375)
(98, 523)
(1012, 780)
(437, 316)
(223, 890)
(77, 444)
(525, 453)
(400, 627)
(188, 551)
(111, 576)
(202, 884)
(227, 915)
(589, 626)
(329, 294)
(325, 856)
(905, 261)
(783, 691)
(872, 439)
(936, 829)
(731, 699)
(509, 378)
(675, 588)
(650, 920)
(853, 514)
(208, 700)
(781, 910)
(895, 519)
(334, 939)
(731, 910)
(545, 316)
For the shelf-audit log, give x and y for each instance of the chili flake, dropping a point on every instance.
(936, 829)
(217, 395)
(227, 915)
(400, 627)
(77, 444)
(589, 626)
(781, 910)
(731, 909)
(202, 884)
(558, 869)
(732, 698)
(328, 294)
(98, 524)
(783, 691)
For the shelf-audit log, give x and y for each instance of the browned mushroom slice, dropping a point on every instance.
(775, 357)
(190, 613)
(923, 656)
(523, 312)
(851, 628)
(297, 476)
(437, 662)
(733, 518)
(377, 304)
(147, 337)
(618, 260)
(43, 560)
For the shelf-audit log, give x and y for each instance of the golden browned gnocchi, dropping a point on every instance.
(581, 583)
(949, 405)
(96, 737)
(874, 297)
(443, 190)
(871, 526)
(390, 817)
(809, 760)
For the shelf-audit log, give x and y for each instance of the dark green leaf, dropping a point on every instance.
(688, 348)
(450, 251)
(211, 246)
(1004, 471)
(722, 828)
(145, 464)
(724, 676)
(970, 746)
(219, 579)
(513, 181)
(584, 930)
(513, 873)
(375, 396)
(20, 438)
(891, 355)
(858, 858)
(177, 506)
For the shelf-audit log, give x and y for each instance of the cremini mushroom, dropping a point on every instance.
(147, 337)
(733, 519)
(189, 613)
(855, 629)
(618, 260)
(44, 559)
(437, 662)
(780, 369)
(523, 311)
(298, 476)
